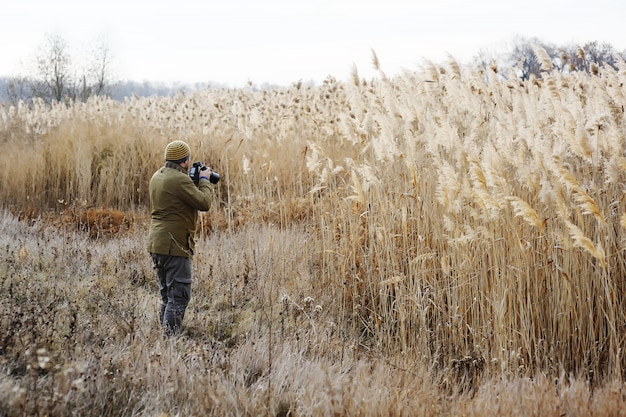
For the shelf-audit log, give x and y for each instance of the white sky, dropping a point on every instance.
(283, 41)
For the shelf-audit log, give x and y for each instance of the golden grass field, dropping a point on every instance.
(444, 242)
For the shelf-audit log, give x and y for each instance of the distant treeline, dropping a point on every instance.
(120, 90)
(55, 81)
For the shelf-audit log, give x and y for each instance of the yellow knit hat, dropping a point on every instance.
(177, 151)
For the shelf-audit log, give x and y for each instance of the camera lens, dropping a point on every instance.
(214, 177)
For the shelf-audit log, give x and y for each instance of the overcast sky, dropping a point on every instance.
(283, 41)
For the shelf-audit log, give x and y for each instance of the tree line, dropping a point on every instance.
(57, 79)
(588, 57)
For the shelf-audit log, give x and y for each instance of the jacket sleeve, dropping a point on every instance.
(198, 197)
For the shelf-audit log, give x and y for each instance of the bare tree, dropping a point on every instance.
(54, 82)
(526, 61)
(101, 69)
(57, 79)
(523, 57)
(96, 73)
(593, 55)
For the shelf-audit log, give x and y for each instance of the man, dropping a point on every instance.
(175, 201)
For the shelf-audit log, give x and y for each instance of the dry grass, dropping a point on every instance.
(80, 335)
(444, 242)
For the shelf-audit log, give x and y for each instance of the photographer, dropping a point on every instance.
(175, 200)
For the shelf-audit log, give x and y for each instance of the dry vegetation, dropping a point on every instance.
(445, 242)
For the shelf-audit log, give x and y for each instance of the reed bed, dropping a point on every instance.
(446, 241)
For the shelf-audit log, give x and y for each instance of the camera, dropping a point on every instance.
(195, 173)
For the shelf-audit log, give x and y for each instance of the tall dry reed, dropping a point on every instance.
(468, 221)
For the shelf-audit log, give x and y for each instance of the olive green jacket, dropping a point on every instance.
(175, 201)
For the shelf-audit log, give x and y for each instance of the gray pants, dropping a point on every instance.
(174, 274)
